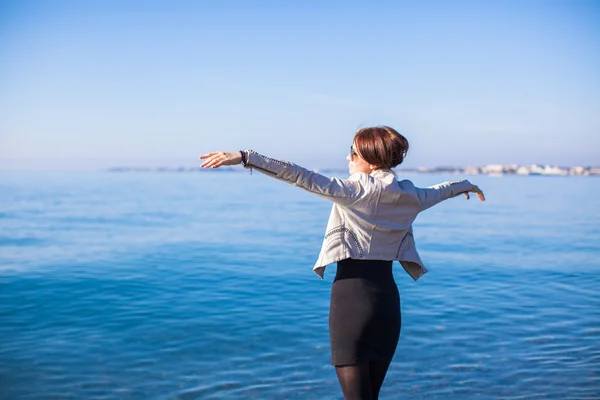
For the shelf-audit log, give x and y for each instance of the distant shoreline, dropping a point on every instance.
(491, 169)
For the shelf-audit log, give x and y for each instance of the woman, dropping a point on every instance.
(370, 226)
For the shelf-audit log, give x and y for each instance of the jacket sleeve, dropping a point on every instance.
(344, 192)
(432, 195)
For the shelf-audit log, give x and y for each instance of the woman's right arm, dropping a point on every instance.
(344, 192)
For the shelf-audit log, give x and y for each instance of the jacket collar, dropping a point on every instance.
(384, 174)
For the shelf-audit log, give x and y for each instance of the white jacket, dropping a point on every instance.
(372, 214)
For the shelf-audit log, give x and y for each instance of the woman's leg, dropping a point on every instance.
(377, 371)
(362, 381)
(355, 380)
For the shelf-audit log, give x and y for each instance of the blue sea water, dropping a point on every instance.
(199, 286)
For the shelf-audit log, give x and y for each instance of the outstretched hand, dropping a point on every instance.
(216, 159)
(477, 191)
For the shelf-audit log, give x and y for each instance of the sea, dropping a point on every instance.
(199, 285)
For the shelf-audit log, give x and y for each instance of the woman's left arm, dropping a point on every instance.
(432, 195)
(344, 192)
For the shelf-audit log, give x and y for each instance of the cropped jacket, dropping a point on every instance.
(372, 214)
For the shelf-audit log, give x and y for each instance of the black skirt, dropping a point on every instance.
(364, 313)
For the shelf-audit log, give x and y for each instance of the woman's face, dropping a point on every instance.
(356, 163)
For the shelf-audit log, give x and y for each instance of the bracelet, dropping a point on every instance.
(244, 161)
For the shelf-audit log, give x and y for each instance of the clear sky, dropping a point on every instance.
(86, 84)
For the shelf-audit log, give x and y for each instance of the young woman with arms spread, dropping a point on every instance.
(369, 227)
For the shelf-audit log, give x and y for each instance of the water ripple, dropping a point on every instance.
(155, 287)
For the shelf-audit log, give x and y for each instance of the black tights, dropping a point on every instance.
(363, 380)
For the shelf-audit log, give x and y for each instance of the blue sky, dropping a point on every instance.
(101, 83)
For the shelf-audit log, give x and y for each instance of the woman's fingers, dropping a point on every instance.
(217, 159)
(213, 160)
(210, 158)
(206, 155)
(478, 192)
(216, 162)
(208, 164)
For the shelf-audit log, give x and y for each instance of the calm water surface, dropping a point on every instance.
(199, 286)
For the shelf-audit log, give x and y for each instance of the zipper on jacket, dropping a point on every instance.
(273, 160)
(262, 169)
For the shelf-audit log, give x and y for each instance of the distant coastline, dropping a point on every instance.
(491, 169)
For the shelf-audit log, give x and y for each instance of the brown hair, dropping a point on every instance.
(381, 146)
